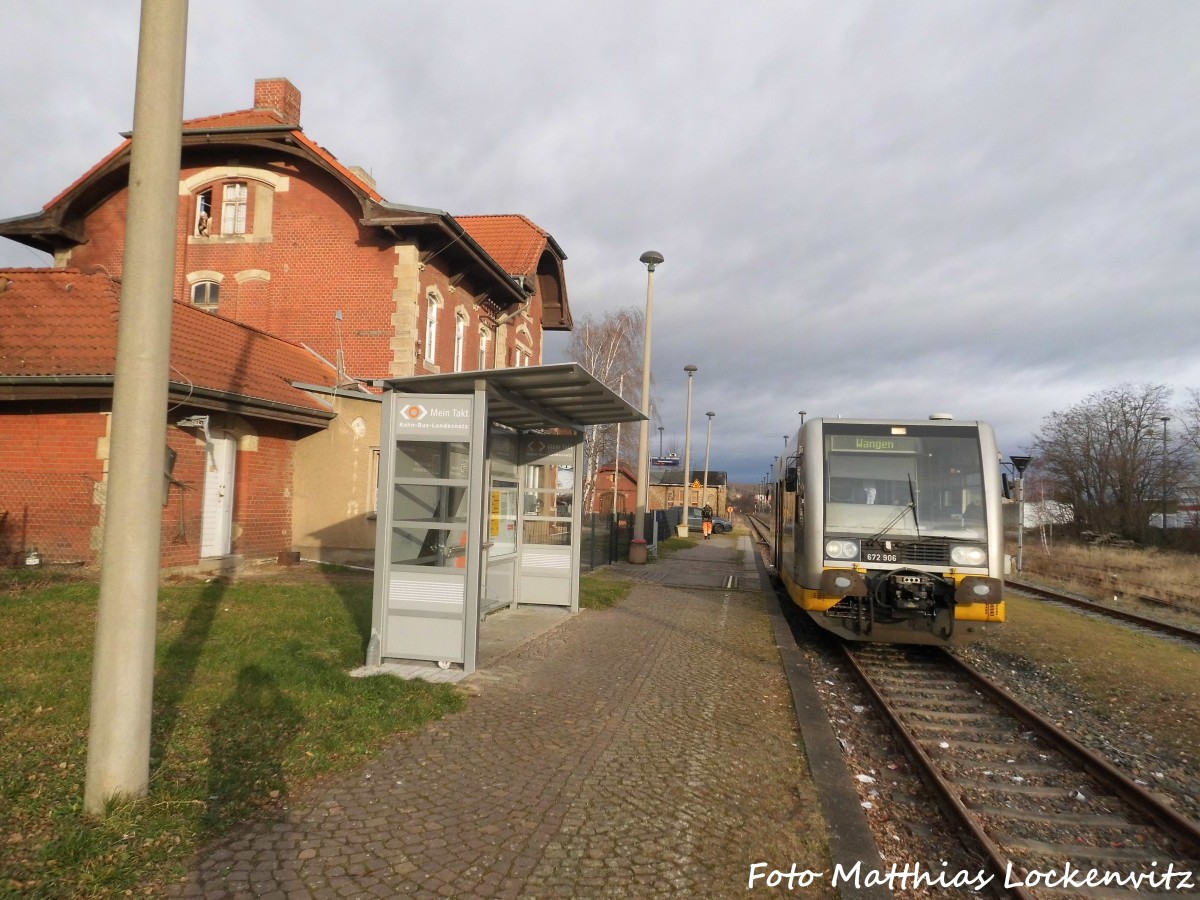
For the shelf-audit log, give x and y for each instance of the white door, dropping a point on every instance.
(217, 521)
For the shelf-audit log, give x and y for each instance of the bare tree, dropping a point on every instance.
(1189, 436)
(609, 348)
(1189, 423)
(1105, 457)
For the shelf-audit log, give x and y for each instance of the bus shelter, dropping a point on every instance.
(479, 503)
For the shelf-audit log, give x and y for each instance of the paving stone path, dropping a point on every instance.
(650, 750)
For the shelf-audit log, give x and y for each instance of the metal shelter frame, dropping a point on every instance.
(479, 506)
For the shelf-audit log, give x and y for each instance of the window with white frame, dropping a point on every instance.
(431, 326)
(206, 294)
(203, 225)
(233, 208)
(522, 354)
(460, 340)
(485, 343)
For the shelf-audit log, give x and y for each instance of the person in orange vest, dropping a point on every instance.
(706, 516)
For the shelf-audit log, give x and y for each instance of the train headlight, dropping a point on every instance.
(841, 548)
(966, 555)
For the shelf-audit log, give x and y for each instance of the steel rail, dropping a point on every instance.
(946, 796)
(1177, 631)
(1179, 827)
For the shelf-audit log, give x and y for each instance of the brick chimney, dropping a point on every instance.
(280, 95)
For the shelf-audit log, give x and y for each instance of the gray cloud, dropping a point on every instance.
(865, 208)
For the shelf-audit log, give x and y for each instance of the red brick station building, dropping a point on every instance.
(296, 286)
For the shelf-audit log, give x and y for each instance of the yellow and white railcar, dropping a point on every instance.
(892, 531)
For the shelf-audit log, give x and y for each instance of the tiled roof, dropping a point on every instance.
(243, 118)
(63, 323)
(512, 240)
(263, 117)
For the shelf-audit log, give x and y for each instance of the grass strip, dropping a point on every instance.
(252, 700)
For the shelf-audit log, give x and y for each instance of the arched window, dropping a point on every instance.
(485, 343)
(233, 203)
(460, 340)
(522, 352)
(206, 294)
(431, 322)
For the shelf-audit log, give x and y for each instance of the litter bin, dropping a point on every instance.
(638, 553)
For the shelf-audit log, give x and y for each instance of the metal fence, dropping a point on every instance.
(606, 540)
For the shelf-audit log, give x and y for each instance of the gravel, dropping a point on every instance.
(909, 827)
(1169, 774)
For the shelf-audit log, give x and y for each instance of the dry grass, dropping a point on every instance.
(1106, 571)
(1139, 679)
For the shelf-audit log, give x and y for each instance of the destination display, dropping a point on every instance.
(856, 443)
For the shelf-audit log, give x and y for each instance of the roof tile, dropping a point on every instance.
(63, 323)
(512, 240)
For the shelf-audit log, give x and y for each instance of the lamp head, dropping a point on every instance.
(710, 414)
(651, 258)
(690, 369)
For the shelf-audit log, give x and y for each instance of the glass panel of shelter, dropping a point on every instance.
(431, 490)
(549, 493)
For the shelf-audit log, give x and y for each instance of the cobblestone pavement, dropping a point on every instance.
(647, 750)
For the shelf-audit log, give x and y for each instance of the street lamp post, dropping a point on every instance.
(1020, 463)
(707, 446)
(660, 432)
(802, 415)
(651, 259)
(687, 455)
(1164, 420)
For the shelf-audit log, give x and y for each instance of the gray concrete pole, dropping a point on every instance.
(118, 763)
(687, 454)
(1021, 522)
(707, 446)
(650, 259)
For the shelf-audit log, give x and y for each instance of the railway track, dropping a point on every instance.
(1044, 810)
(1177, 631)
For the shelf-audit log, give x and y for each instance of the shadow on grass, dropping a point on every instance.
(177, 669)
(249, 736)
(356, 598)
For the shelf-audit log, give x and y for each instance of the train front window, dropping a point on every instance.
(925, 481)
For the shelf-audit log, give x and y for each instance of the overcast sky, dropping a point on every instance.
(867, 209)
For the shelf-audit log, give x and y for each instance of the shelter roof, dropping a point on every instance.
(564, 395)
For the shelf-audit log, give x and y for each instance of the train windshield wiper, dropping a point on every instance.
(894, 520)
(912, 497)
